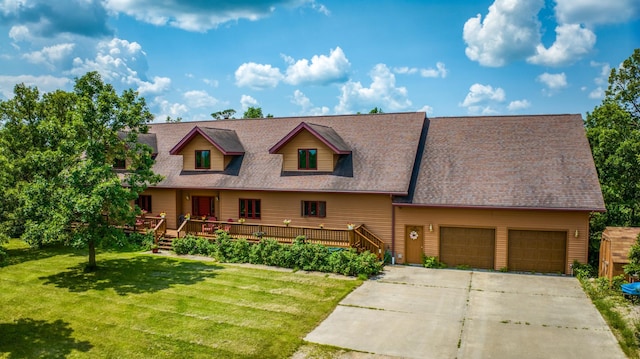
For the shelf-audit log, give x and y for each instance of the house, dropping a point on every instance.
(488, 192)
(614, 250)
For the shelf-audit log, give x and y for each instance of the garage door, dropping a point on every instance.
(474, 247)
(537, 251)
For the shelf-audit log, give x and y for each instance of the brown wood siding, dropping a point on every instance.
(473, 247)
(305, 140)
(372, 210)
(163, 200)
(537, 251)
(200, 143)
(500, 219)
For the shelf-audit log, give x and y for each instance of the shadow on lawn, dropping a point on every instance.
(26, 254)
(30, 338)
(140, 274)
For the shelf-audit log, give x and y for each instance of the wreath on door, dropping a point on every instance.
(413, 235)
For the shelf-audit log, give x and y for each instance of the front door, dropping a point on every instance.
(202, 206)
(414, 239)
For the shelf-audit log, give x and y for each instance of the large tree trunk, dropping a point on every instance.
(92, 257)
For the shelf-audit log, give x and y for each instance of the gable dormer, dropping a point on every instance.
(208, 149)
(311, 148)
(120, 163)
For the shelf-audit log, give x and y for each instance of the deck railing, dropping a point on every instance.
(366, 240)
(330, 237)
(157, 225)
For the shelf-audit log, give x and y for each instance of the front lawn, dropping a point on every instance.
(143, 306)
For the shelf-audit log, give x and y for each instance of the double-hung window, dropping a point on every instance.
(307, 159)
(314, 209)
(203, 159)
(249, 208)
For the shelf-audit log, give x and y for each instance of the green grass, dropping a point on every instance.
(143, 306)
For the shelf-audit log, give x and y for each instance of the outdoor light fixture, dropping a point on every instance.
(187, 197)
(577, 234)
(430, 228)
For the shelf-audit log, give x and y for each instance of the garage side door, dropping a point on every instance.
(474, 247)
(537, 251)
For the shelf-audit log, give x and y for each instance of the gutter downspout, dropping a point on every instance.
(393, 232)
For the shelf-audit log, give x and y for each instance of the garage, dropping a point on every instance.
(473, 247)
(537, 251)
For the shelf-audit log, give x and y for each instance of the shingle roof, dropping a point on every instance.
(508, 162)
(622, 238)
(325, 134)
(383, 148)
(225, 140)
(148, 139)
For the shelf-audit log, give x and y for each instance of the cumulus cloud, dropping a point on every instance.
(48, 19)
(518, 105)
(50, 55)
(572, 41)
(381, 93)
(199, 99)
(553, 81)
(591, 12)
(257, 76)
(479, 94)
(169, 109)
(43, 83)
(510, 31)
(320, 70)
(439, 71)
(601, 80)
(247, 101)
(426, 108)
(306, 106)
(201, 16)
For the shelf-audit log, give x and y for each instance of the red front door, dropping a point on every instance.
(202, 206)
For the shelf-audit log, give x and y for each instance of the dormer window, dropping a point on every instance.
(119, 164)
(203, 159)
(307, 159)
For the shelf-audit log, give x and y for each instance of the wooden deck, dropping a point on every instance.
(359, 237)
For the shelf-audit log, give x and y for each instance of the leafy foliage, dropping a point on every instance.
(583, 271)
(299, 255)
(432, 262)
(613, 130)
(633, 268)
(57, 157)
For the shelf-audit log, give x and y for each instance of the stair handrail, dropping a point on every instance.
(369, 241)
(159, 230)
(182, 225)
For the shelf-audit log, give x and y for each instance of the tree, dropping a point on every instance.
(64, 146)
(253, 112)
(225, 114)
(613, 130)
(376, 110)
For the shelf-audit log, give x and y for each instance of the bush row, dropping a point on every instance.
(299, 255)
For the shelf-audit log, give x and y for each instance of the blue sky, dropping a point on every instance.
(311, 57)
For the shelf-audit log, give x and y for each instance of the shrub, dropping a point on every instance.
(184, 245)
(432, 262)
(583, 271)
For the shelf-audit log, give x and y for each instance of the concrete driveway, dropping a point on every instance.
(413, 312)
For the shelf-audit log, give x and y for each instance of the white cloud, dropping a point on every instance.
(202, 15)
(553, 81)
(199, 99)
(257, 76)
(174, 110)
(597, 93)
(382, 93)
(518, 105)
(116, 60)
(19, 33)
(601, 80)
(320, 70)
(247, 101)
(426, 108)
(44, 83)
(157, 86)
(50, 55)
(212, 83)
(307, 107)
(593, 12)
(572, 42)
(479, 94)
(439, 71)
(510, 31)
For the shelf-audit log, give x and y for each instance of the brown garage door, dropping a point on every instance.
(537, 251)
(474, 247)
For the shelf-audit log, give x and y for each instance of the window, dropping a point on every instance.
(203, 159)
(314, 209)
(307, 159)
(144, 202)
(119, 163)
(249, 208)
